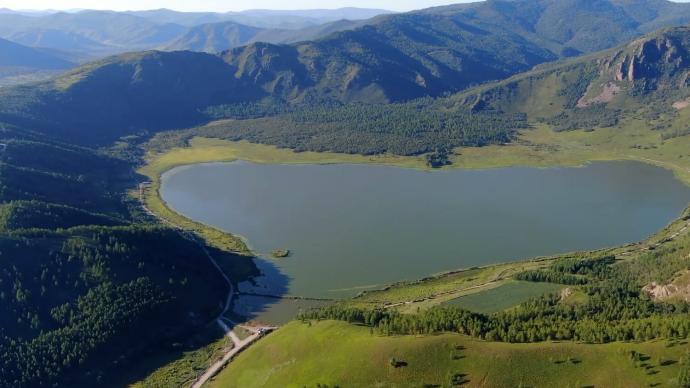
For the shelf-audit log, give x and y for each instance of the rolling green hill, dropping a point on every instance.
(332, 354)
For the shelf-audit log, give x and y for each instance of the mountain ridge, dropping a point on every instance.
(389, 59)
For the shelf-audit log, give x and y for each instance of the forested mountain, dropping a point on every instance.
(126, 94)
(446, 49)
(646, 80)
(404, 58)
(102, 101)
(459, 45)
(648, 77)
(400, 58)
(309, 33)
(217, 37)
(569, 27)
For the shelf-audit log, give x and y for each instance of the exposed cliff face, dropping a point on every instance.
(661, 60)
(677, 289)
(652, 69)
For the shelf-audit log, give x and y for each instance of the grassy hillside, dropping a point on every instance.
(312, 352)
(337, 354)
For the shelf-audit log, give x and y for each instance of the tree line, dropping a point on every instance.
(615, 307)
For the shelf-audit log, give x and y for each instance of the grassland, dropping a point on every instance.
(504, 297)
(336, 353)
(408, 297)
(304, 355)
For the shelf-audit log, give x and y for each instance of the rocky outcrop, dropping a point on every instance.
(678, 289)
(661, 60)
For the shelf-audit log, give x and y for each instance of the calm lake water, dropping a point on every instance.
(354, 227)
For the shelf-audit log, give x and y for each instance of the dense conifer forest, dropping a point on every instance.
(86, 282)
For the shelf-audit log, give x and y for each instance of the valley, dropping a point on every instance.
(483, 194)
(539, 147)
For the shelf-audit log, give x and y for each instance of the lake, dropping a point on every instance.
(357, 227)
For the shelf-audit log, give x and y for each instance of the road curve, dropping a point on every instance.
(238, 345)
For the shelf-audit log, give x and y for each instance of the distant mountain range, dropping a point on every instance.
(217, 37)
(81, 36)
(105, 32)
(390, 58)
(272, 19)
(21, 63)
(563, 27)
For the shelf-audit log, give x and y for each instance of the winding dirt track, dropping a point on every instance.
(237, 344)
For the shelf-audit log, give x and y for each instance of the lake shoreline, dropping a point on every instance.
(229, 158)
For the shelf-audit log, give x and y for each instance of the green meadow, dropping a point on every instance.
(338, 354)
(504, 297)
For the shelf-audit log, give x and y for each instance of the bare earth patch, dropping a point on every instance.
(678, 289)
(680, 105)
(607, 94)
(566, 292)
